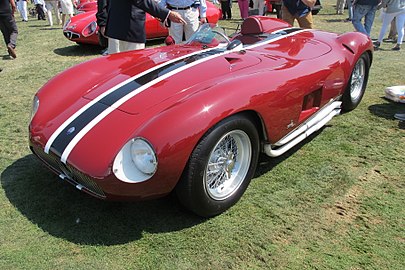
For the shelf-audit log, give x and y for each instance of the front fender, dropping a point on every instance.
(175, 132)
(356, 43)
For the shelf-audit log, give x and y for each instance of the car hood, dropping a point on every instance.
(81, 18)
(166, 75)
(144, 79)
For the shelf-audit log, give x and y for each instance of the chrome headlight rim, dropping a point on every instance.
(90, 29)
(35, 107)
(124, 167)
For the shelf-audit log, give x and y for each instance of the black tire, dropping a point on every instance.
(357, 83)
(215, 179)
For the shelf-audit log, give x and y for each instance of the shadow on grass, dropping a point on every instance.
(388, 110)
(42, 26)
(6, 57)
(79, 50)
(62, 211)
(266, 163)
(50, 28)
(335, 20)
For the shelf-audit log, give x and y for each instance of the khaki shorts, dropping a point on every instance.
(304, 21)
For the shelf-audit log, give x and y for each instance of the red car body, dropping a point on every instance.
(82, 28)
(287, 81)
(86, 6)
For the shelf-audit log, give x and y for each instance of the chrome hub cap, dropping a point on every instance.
(228, 165)
(357, 81)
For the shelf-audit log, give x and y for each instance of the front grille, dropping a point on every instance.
(84, 180)
(71, 35)
(74, 176)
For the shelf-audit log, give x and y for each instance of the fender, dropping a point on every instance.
(356, 43)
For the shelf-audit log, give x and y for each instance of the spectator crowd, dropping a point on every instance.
(123, 22)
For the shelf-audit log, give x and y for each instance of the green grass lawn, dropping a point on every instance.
(335, 201)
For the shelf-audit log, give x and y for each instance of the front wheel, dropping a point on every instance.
(220, 167)
(357, 83)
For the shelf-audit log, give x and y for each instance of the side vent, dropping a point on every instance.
(348, 48)
(311, 104)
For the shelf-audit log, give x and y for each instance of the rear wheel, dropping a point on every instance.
(220, 167)
(357, 83)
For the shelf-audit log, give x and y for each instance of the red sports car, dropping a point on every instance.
(193, 118)
(82, 28)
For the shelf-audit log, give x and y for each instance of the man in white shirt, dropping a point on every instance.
(192, 11)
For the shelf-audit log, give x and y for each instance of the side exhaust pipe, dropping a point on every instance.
(304, 131)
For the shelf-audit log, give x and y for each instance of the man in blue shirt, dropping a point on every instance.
(364, 9)
(299, 10)
(192, 11)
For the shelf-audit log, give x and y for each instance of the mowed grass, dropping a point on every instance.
(335, 201)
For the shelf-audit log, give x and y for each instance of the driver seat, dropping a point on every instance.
(251, 30)
(251, 26)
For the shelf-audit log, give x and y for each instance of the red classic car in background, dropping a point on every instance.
(274, 6)
(82, 28)
(192, 118)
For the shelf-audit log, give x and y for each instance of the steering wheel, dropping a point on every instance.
(222, 35)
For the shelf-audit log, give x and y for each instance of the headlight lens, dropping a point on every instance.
(35, 106)
(89, 29)
(143, 156)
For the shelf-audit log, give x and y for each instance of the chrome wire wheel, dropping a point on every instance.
(228, 165)
(357, 80)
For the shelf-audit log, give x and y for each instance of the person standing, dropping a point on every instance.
(126, 22)
(364, 9)
(395, 9)
(22, 7)
(349, 10)
(259, 5)
(101, 16)
(299, 10)
(8, 25)
(193, 13)
(39, 7)
(52, 5)
(226, 9)
(243, 8)
(340, 6)
(66, 7)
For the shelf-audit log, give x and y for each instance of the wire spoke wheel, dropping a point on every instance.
(228, 165)
(221, 166)
(357, 81)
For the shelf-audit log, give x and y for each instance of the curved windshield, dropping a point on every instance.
(208, 34)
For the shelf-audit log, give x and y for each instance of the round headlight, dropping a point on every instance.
(143, 156)
(35, 106)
